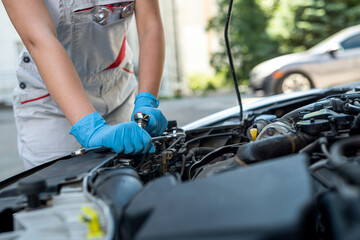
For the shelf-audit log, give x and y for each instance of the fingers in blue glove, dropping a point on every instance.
(147, 103)
(157, 124)
(128, 138)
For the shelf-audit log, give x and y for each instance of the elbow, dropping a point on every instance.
(32, 43)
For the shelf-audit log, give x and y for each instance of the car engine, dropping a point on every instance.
(287, 168)
(288, 171)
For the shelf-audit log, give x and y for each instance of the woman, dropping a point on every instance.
(76, 72)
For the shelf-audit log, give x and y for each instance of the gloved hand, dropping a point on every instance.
(129, 138)
(146, 103)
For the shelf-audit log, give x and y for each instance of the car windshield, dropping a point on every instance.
(328, 43)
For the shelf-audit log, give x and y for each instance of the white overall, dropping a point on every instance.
(97, 46)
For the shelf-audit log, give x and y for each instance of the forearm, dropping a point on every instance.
(152, 45)
(61, 79)
(151, 60)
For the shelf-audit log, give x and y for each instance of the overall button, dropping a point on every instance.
(22, 85)
(26, 59)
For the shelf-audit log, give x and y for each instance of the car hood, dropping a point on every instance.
(230, 115)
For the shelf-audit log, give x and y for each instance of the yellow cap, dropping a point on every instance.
(253, 133)
(90, 216)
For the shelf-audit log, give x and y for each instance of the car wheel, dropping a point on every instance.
(294, 82)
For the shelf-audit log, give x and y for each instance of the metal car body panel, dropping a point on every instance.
(233, 112)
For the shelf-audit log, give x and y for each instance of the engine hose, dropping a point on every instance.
(117, 188)
(339, 149)
(272, 147)
(323, 144)
(351, 108)
(312, 147)
(339, 160)
(356, 123)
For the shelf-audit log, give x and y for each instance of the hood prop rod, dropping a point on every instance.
(228, 19)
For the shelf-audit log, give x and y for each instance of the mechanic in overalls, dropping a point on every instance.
(76, 76)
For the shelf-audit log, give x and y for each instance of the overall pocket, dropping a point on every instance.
(98, 33)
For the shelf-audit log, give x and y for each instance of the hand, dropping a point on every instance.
(128, 138)
(146, 103)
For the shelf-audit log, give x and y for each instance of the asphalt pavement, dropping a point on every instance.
(184, 110)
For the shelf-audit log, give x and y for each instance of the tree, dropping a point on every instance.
(249, 40)
(300, 24)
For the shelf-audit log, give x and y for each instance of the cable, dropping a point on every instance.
(228, 19)
(320, 164)
(323, 144)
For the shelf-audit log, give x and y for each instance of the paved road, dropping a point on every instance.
(189, 109)
(184, 110)
(9, 160)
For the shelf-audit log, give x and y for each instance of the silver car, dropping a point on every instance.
(335, 60)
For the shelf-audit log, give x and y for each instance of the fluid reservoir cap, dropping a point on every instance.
(253, 133)
(91, 217)
(32, 187)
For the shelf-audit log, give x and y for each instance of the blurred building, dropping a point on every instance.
(10, 47)
(188, 45)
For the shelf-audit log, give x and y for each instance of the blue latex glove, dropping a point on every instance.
(129, 138)
(146, 103)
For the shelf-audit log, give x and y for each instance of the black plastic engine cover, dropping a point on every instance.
(55, 173)
(269, 200)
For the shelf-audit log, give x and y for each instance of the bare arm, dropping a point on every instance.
(152, 45)
(34, 24)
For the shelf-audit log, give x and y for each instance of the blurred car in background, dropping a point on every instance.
(335, 60)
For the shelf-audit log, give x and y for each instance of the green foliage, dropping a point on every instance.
(205, 82)
(249, 41)
(263, 29)
(299, 25)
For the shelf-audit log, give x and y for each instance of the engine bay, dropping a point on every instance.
(288, 171)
